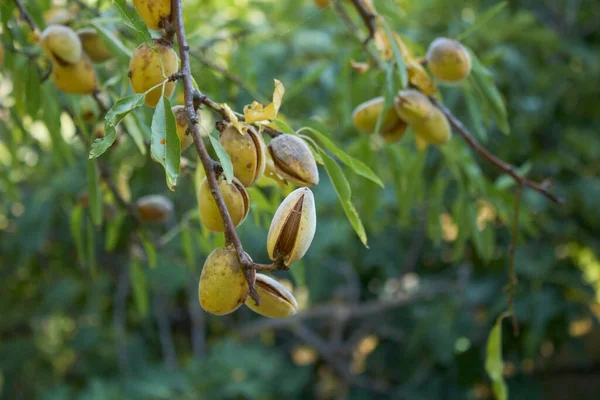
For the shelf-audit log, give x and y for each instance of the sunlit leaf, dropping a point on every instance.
(256, 112)
(494, 363)
(356, 165)
(164, 141)
(112, 119)
(134, 21)
(223, 158)
(342, 189)
(75, 227)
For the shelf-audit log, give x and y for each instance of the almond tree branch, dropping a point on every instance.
(462, 131)
(368, 18)
(189, 94)
(25, 16)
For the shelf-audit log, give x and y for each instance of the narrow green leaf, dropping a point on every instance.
(94, 191)
(494, 364)
(113, 117)
(135, 131)
(400, 65)
(139, 285)
(483, 20)
(75, 227)
(113, 43)
(164, 141)
(359, 167)
(475, 113)
(32, 90)
(150, 252)
(388, 96)
(283, 127)
(342, 188)
(223, 158)
(134, 21)
(91, 247)
(187, 243)
(113, 232)
(483, 79)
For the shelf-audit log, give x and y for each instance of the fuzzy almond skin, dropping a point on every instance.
(149, 68)
(275, 300)
(448, 60)
(293, 160)
(413, 107)
(436, 130)
(181, 118)
(77, 78)
(247, 153)
(236, 201)
(61, 44)
(93, 45)
(154, 208)
(223, 287)
(395, 134)
(306, 227)
(366, 114)
(153, 11)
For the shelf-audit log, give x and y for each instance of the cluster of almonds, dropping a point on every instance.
(448, 61)
(72, 55)
(223, 286)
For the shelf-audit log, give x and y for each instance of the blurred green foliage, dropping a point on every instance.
(102, 313)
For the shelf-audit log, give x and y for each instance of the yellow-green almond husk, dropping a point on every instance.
(93, 45)
(448, 60)
(435, 130)
(247, 152)
(153, 12)
(236, 200)
(61, 44)
(293, 160)
(293, 226)
(182, 119)
(223, 287)
(413, 107)
(275, 300)
(365, 116)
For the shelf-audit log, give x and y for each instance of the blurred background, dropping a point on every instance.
(111, 312)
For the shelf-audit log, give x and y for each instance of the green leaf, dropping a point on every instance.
(164, 141)
(112, 119)
(388, 96)
(475, 113)
(32, 90)
(113, 232)
(150, 252)
(75, 226)
(483, 20)
(113, 43)
(283, 127)
(135, 131)
(401, 66)
(187, 243)
(223, 158)
(359, 167)
(91, 248)
(491, 98)
(342, 189)
(139, 285)
(134, 21)
(94, 192)
(494, 364)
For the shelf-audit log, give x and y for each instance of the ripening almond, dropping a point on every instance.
(223, 287)
(275, 300)
(154, 208)
(148, 68)
(236, 201)
(293, 227)
(93, 45)
(293, 160)
(182, 120)
(79, 78)
(365, 118)
(61, 44)
(448, 60)
(247, 152)
(153, 12)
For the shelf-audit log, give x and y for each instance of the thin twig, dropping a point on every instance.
(26, 17)
(368, 18)
(189, 91)
(460, 129)
(512, 280)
